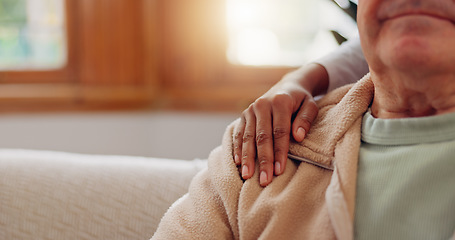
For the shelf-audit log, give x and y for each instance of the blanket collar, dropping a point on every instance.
(338, 111)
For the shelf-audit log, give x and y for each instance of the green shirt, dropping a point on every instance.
(406, 178)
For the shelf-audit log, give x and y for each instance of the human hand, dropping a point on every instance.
(265, 126)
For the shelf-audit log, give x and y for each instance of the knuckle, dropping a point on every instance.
(280, 132)
(237, 136)
(247, 112)
(261, 104)
(263, 161)
(250, 108)
(309, 115)
(313, 106)
(281, 99)
(304, 117)
(247, 137)
(245, 159)
(262, 137)
(280, 151)
(305, 121)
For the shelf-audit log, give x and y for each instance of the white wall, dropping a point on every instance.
(154, 134)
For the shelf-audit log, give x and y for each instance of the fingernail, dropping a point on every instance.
(244, 171)
(301, 133)
(237, 159)
(277, 168)
(263, 178)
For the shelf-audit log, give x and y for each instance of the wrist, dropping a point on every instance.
(314, 78)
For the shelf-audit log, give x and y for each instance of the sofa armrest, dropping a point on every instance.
(55, 195)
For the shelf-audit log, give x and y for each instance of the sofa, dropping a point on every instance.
(59, 195)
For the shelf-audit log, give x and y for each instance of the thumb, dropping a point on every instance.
(304, 119)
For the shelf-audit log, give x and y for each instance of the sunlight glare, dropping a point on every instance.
(283, 32)
(256, 46)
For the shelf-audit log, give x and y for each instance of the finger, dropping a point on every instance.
(282, 116)
(238, 140)
(248, 145)
(264, 141)
(304, 118)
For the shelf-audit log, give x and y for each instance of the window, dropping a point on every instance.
(32, 34)
(284, 32)
(76, 54)
(165, 53)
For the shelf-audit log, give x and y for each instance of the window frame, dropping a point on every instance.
(76, 86)
(61, 75)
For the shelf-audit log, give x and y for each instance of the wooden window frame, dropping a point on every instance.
(72, 87)
(61, 75)
(179, 53)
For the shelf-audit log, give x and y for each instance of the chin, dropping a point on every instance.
(410, 54)
(416, 43)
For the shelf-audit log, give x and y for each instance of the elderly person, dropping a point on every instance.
(378, 162)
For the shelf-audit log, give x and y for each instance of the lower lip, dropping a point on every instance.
(413, 25)
(425, 16)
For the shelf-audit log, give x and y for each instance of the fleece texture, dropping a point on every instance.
(313, 199)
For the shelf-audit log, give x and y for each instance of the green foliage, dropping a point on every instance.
(13, 12)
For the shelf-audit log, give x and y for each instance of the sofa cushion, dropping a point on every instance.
(57, 195)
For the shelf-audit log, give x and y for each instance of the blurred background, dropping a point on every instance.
(158, 78)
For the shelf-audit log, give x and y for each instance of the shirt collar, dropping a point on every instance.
(408, 131)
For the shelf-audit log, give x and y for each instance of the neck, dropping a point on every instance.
(412, 95)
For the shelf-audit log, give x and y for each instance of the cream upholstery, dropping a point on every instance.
(56, 195)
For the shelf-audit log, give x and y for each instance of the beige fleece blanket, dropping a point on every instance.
(313, 199)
